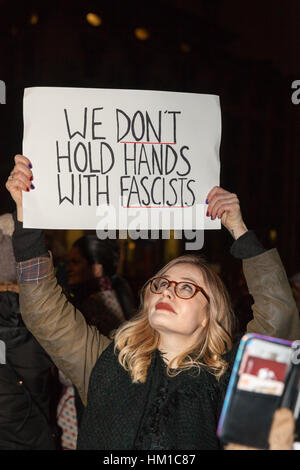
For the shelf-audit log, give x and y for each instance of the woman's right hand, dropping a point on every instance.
(20, 179)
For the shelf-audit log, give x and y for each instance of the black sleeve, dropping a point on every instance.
(28, 243)
(247, 246)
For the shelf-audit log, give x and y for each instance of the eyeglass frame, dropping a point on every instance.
(198, 288)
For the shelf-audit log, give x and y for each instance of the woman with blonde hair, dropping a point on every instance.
(137, 340)
(160, 382)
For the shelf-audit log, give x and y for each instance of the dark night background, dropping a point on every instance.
(246, 52)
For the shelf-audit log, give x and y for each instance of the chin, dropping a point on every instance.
(161, 320)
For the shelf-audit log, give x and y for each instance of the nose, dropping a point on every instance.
(169, 291)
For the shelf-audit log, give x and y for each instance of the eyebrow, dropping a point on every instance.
(184, 278)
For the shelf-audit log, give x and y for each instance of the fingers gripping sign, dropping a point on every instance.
(20, 179)
(226, 206)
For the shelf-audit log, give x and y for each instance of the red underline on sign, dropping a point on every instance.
(155, 207)
(152, 143)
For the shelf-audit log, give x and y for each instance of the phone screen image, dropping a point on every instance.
(255, 390)
(264, 367)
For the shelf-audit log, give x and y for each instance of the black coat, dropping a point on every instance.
(164, 413)
(24, 379)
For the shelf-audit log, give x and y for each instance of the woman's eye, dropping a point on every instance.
(163, 284)
(187, 287)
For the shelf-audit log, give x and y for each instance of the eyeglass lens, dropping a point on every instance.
(183, 289)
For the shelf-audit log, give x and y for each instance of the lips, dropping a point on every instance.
(164, 306)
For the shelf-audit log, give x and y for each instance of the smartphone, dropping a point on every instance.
(265, 377)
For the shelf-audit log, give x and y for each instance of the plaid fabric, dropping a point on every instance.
(67, 418)
(34, 270)
(104, 283)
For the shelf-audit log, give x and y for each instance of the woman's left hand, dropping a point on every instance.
(226, 206)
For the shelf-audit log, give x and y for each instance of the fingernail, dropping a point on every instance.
(212, 217)
(32, 187)
(207, 201)
(27, 189)
(31, 178)
(207, 214)
(30, 166)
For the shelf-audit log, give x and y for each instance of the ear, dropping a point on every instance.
(97, 270)
(206, 317)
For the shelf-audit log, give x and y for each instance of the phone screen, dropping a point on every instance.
(256, 387)
(264, 367)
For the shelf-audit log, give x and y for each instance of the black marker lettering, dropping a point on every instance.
(59, 157)
(174, 123)
(92, 169)
(158, 178)
(175, 193)
(186, 161)
(133, 126)
(143, 161)
(191, 191)
(169, 149)
(181, 190)
(79, 193)
(127, 159)
(118, 111)
(70, 199)
(96, 123)
(157, 164)
(83, 134)
(99, 193)
(76, 151)
(88, 177)
(134, 190)
(122, 189)
(109, 157)
(146, 191)
(149, 124)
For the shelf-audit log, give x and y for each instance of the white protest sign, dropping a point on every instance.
(120, 159)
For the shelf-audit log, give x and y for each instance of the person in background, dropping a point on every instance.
(94, 287)
(25, 367)
(240, 297)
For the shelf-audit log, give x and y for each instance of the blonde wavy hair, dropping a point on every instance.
(136, 340)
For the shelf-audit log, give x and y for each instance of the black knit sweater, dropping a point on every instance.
(164, 413)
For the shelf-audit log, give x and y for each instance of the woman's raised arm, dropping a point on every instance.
(274, 310)
(59, 327)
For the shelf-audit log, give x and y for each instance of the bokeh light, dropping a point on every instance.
(93, 19)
